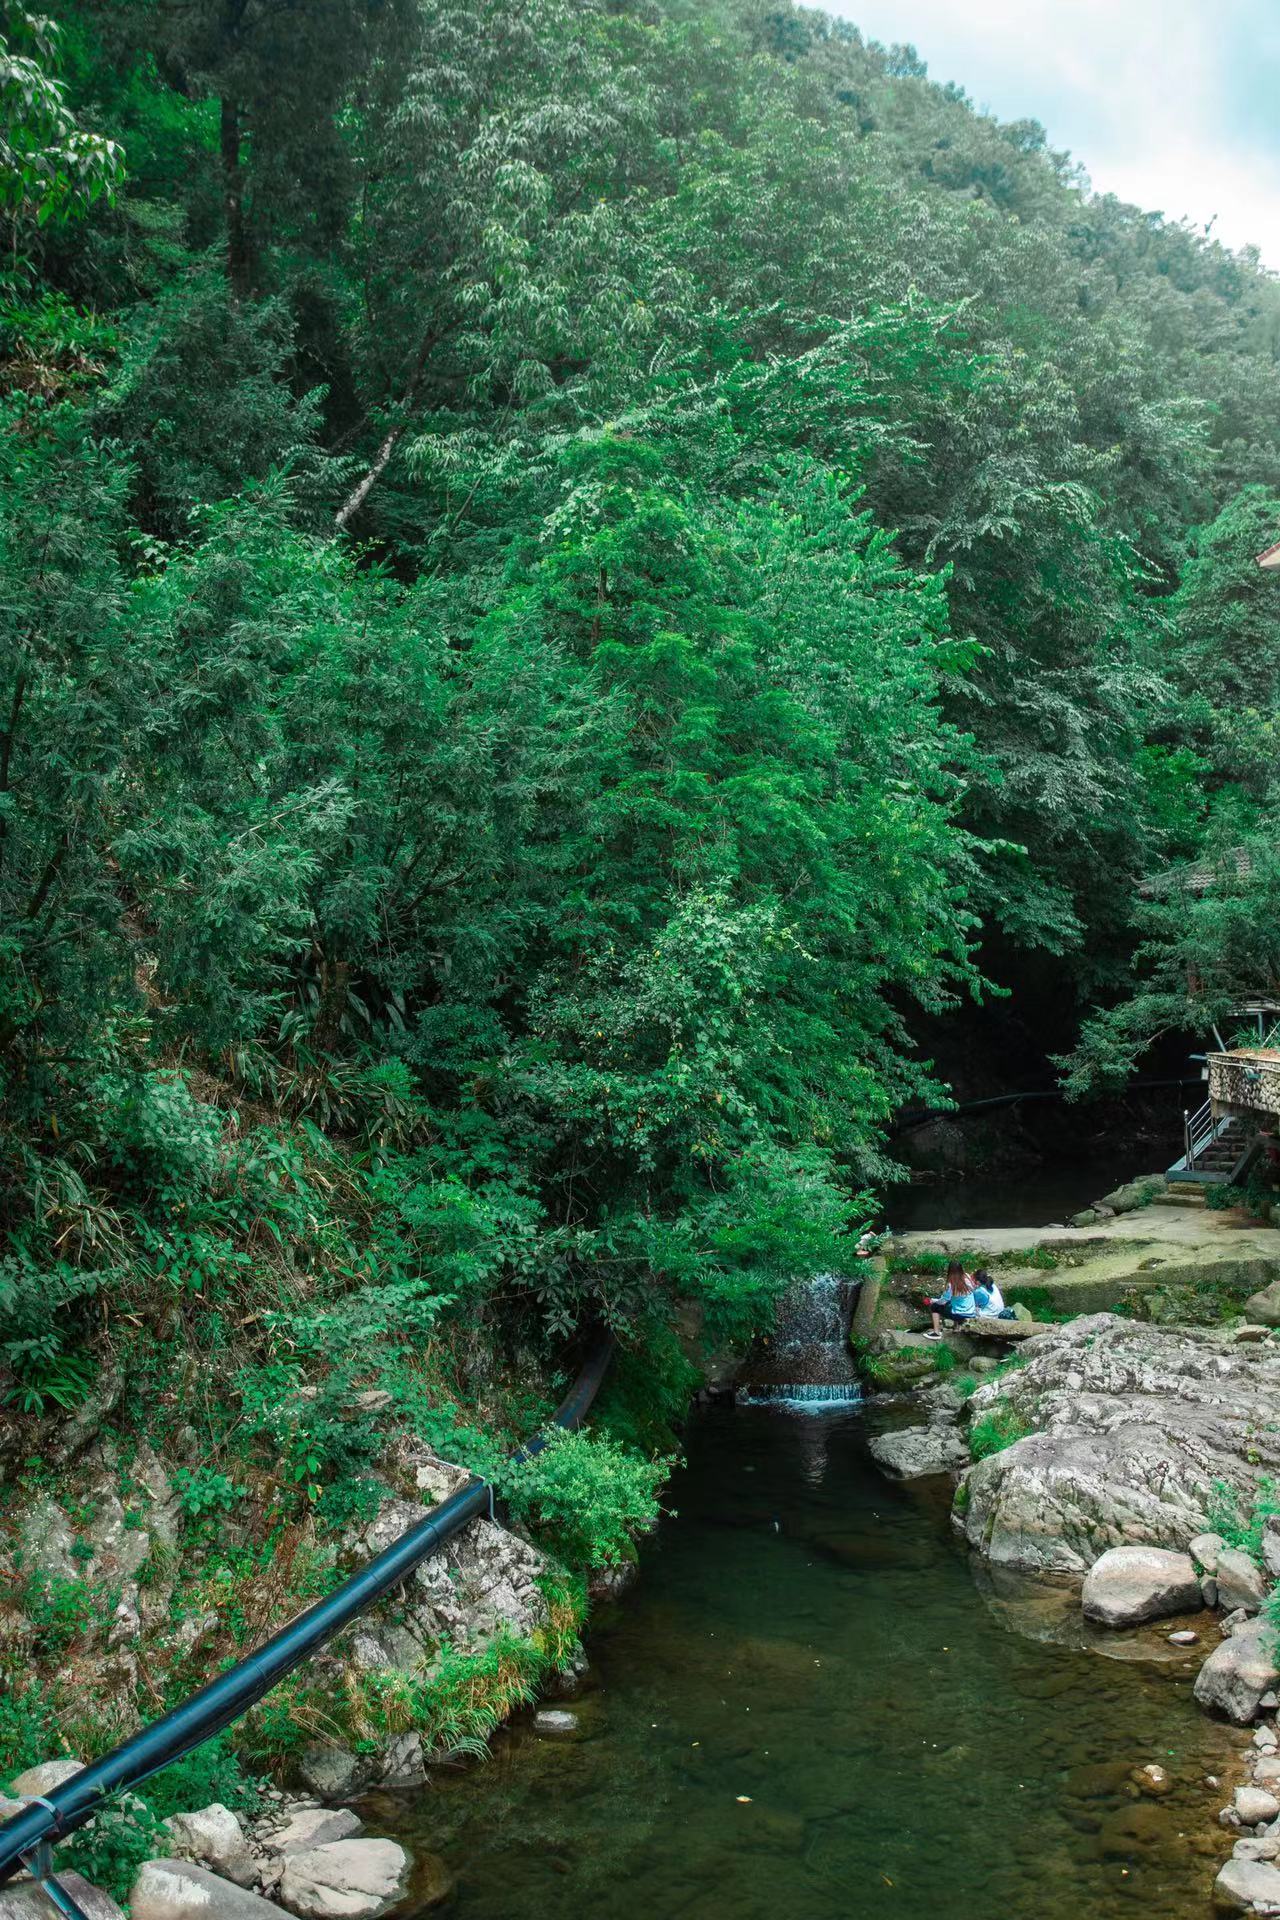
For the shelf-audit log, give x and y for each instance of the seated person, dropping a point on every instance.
(955, 1303)
(986, 1293)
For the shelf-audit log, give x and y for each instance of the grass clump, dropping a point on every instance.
(1238, 1527)
(1000, 1426)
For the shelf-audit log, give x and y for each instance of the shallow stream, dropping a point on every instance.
(814, 1707)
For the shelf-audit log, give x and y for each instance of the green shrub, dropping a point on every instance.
(202, 1491)
(995, 1429)
(61, 1611)
(1240, 1529)
(109, 1852)
(588, 1494)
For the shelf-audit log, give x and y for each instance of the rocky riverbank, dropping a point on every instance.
(1140, 1462)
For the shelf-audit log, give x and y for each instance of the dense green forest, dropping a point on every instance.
(574, 576)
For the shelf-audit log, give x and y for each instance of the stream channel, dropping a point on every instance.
(814, 1705)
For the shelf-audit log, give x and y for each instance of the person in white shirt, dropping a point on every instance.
(987, 1296)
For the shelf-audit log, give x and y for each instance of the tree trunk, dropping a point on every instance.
(233, 202)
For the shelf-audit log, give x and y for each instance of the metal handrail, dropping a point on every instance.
(225, 1699)
(1199, 1131)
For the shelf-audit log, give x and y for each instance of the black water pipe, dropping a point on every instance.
(917, 1116)
(242, 1686)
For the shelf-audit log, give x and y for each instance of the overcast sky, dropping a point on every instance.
(1171, 104)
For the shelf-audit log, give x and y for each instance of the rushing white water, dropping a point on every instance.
(801, 1395)
(807, 1365)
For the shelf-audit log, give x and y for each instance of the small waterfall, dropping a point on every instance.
(800, 1393)
(807, 1364)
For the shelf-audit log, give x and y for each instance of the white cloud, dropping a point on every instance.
(1167, 103)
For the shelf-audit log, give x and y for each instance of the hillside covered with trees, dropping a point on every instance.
(574, 577)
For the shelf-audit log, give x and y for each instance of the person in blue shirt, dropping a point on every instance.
(986, 1293)
(955, 1303)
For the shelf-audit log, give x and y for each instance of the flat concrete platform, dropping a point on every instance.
(1163, 1245)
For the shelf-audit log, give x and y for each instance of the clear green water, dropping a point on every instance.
(813, 1638)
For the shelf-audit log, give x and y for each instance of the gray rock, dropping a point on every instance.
(555, 1720)
(1183, 1638)
(1255, 1847)
(1271, 1546)
(1209, 1590)
(1255, 1806)
(1131, 1426)
(214, 1836)
(1135, 1194)
(27, 1901)
(1266, 1771)
(1204, 1550)
(913, 1452)
(1247, 1886)
(400, 1762)
(314, 1827)
(1240, 1584)
(1130, 1584)
(45, 1540)
(44, 1778)
(1234, 1678)
(332, 1772)
(1263, 1309)
(344, 1880)
(180, 1890)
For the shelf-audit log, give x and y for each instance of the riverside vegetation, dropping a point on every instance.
(573, 576)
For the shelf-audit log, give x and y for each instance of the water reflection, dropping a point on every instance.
(807, 1719)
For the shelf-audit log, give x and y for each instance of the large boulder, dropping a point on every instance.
(1240, 1583)
(27, 1901)
(180, 1890)
(913, 1452)
(1234, 1678)
(344, 1880)
(1247, 1886)
(1131, 1584)
(1263, 1309)
(215, 1837)
(1130, 1429)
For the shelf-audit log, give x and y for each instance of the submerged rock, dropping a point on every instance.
(1130, 1584)
(555, 1720)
